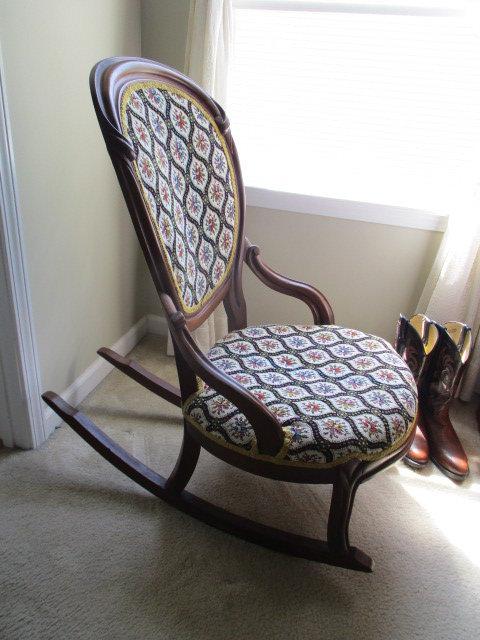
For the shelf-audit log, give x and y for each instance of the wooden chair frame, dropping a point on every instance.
(107, 81)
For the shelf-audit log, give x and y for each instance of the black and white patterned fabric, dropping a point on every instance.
(338, 393)
(188, 183)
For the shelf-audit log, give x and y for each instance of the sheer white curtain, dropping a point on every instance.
(452, 291)
(209, 44)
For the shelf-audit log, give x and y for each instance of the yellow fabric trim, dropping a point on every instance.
(279, 458)
(131, 88)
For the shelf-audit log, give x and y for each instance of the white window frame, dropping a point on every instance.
(336, 207)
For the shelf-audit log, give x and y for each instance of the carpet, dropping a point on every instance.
(87, 554)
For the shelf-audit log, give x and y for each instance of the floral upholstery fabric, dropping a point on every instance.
(188, 185)
(338, 393)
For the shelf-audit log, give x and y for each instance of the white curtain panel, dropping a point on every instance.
(209, 45)
(452, 291)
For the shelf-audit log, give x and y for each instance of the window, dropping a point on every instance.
(358, 102)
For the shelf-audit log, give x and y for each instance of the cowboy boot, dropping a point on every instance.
(414, 342)
(441, 382)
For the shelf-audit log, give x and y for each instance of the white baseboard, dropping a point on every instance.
(156, 325)
(100, 368)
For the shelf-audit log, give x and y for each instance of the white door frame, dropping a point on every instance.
(22, 421)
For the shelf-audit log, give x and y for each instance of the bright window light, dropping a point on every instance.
(360, 103)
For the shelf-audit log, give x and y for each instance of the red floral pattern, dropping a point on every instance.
(337, 392)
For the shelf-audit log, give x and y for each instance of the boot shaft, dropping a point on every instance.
(447, 365)
(414, 341)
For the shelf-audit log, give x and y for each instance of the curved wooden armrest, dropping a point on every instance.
(268, 432)
(316, 301)
(146, 378)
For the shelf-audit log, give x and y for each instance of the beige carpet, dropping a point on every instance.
(85, 553)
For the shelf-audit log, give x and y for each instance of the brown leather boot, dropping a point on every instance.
(415, 340)
(440, 384)
(419, 453)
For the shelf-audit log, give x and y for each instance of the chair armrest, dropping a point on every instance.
(316, 301)
(269, 434)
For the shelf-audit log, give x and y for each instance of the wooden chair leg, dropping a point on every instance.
(343, 494)
(186, 463)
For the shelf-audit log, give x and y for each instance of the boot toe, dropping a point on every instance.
(454, 466)
(416, 458)
(418, 454)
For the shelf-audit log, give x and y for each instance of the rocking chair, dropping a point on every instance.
(308, 404)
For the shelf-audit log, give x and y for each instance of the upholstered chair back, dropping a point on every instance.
(188, 182)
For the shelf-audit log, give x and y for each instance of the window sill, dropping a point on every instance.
(345, 209)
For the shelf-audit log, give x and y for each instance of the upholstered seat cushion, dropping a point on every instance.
(338, 393)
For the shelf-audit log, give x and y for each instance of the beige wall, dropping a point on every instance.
(164, 31)
(81, 252)
(369, 272)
